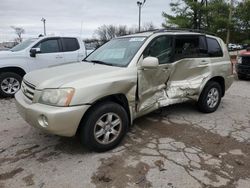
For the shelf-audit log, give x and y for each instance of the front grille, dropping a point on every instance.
(246, 60)
(28, 90)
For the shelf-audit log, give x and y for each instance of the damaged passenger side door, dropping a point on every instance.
(191, 68)
(153, 73)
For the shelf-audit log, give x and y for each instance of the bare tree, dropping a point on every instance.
(107, 32)
(148, 26)
(122, 30)
(19, 31)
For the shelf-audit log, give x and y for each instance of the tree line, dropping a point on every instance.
(223, 18)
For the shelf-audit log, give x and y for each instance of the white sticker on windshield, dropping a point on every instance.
(137, 39)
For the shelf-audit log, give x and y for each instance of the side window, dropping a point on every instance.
(187, 47)
(162, 48)
(203, 46)
(49, 46)
(214, 49)
(70, 44)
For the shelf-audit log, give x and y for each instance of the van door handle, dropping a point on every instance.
(59, 57)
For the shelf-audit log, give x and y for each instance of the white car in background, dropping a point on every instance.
(36, 53)
(234, 46)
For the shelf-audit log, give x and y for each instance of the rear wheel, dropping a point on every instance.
(210, 97)
(10, 83)
(104, 127)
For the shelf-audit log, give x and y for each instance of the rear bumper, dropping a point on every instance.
(62, 121)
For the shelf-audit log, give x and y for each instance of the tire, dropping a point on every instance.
(206, 104)
(10, 83)
(241, 77)
(93, 134)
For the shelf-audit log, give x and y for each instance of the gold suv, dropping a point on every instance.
(124, 79)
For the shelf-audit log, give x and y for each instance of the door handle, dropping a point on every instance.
(59, 57)
(204, 61)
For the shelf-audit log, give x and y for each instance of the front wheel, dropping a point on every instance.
(10, 83)
(210, 97)
(104, 127)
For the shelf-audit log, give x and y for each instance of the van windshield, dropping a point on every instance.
(23, 45)
(117, 52)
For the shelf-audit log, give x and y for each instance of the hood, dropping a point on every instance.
(56, 77)
(10, 54)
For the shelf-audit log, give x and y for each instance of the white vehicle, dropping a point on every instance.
(33, 54)
(232, 46)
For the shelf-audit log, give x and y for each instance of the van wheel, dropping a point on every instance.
(210, 97)
(10, 83)
(104, 127)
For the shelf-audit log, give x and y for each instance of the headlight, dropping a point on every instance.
(239, 60)
(57, 97)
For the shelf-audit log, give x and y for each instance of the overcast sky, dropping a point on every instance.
(64, 17)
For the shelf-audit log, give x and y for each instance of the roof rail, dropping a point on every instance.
(150, 30)
(176, 29)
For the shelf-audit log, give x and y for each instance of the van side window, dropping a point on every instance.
(70, 44)
(214, 49)
(161, 48)
(49, 46)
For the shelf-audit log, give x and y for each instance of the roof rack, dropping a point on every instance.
(150, 30)
(176, 29)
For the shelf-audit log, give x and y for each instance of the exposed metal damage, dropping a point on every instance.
(169, 85)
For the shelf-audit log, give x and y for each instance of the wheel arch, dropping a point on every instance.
(119, 98)
(220, 80)
(16, 70)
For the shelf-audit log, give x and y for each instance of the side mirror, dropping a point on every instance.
(150, 62)
(34, 51)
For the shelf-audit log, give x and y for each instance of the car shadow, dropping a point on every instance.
(73, 145)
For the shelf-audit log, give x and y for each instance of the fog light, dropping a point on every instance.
(43, 121)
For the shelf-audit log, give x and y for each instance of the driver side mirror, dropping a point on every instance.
(34, 51)
(150, 62)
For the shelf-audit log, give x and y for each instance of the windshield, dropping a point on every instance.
(23, 45)
(117, 52)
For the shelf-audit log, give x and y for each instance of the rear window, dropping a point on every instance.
(70, 44)
(214, 49)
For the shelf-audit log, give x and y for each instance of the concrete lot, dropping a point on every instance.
(174, 147)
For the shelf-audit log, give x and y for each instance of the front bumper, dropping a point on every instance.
(243, 69)
(62, 121)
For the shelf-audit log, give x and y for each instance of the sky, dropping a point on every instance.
(74, 17)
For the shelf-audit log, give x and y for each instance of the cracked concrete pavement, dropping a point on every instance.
(176, 146)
